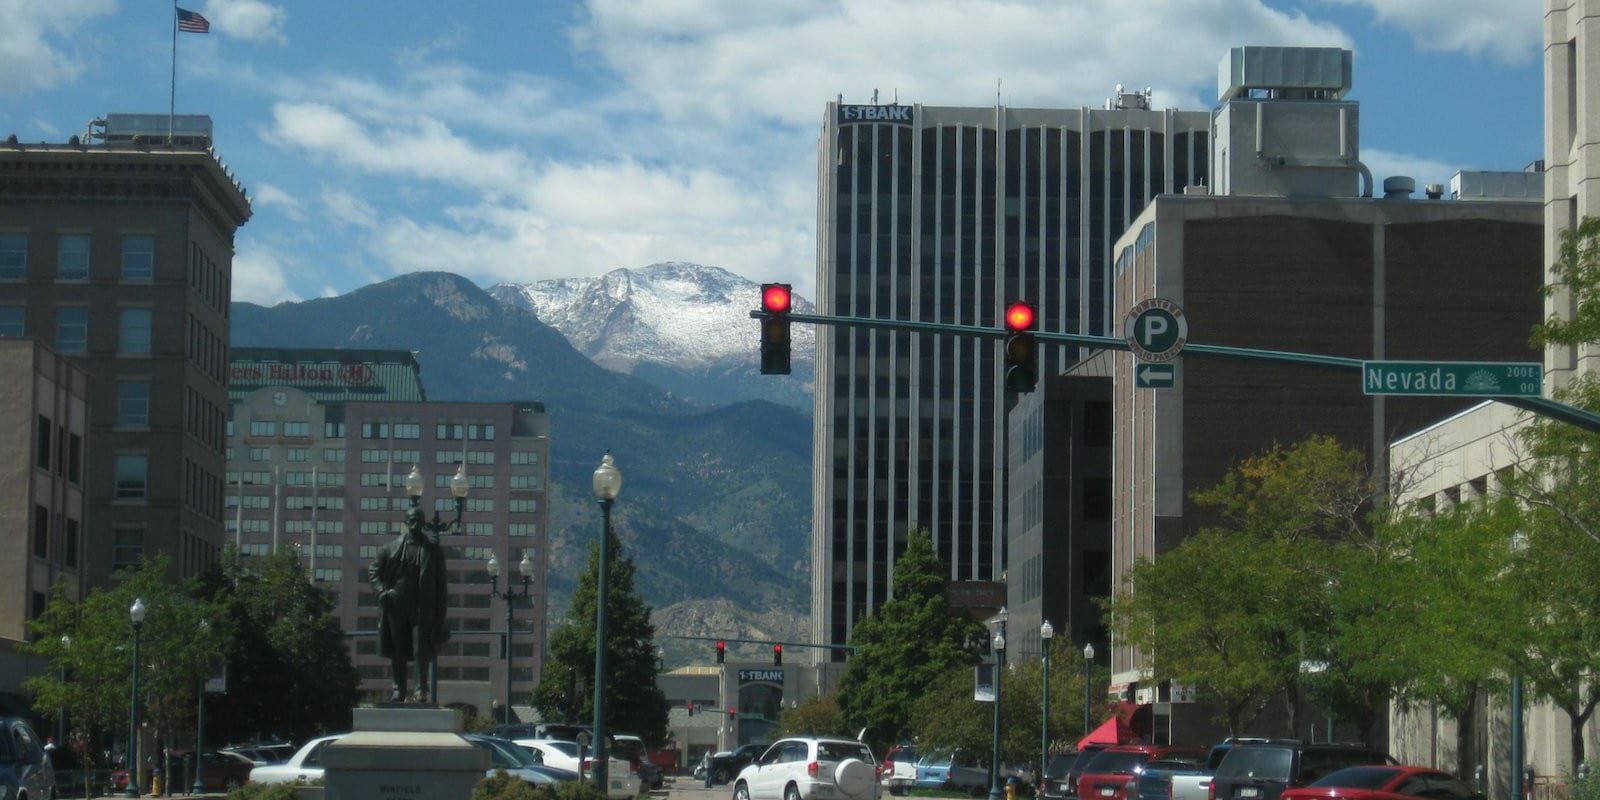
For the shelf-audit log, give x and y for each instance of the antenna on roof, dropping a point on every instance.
(874, 96)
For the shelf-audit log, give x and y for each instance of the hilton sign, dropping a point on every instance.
(347, 374)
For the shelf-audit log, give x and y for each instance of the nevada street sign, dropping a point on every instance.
(1154, 376)
(1452, 378)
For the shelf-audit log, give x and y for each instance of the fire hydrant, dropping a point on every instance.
(155, 782)
(1011, 788)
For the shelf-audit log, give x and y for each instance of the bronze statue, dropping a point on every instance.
(409, 577)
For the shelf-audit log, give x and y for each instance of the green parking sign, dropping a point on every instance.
(1156, 330)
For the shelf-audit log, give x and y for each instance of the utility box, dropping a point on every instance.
(1283, 128)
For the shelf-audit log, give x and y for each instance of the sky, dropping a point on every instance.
(522, 140)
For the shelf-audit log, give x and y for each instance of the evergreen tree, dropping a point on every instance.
(903, 649)
(634, 703)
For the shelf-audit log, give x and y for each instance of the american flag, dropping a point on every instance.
(190, 22)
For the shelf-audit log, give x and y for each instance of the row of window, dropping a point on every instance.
(202, 490)
(207, 350)
(73, 252)
(72, 328)
(207, 279)
(67, 529)
(64, 456)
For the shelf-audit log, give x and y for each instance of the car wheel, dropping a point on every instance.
(722, 776)
(741, 792)
(791, 792)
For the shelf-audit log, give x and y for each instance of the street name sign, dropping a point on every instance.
(1452, 378)
(1155, 376)
(1155, 330)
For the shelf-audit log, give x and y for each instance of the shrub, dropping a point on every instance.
(578, 790)
(264, 791)
(504, 786)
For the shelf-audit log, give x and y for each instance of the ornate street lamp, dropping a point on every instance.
(199, 786)
(1046, 633)
(136, 614)
(511, 596)
(999, 644)
(1088, 662)
(61, 713)
(607, 483)
(458, 487)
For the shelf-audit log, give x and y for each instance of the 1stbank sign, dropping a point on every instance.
(897, 114)
(761, 676)
(1452, 378)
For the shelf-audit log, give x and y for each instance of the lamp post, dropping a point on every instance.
(199, 786)
(1519, 545)
(1088, 663)
(999, 643)
(61, 713)
(511, 596)
(136, 614)
(1047, 632)
(607, 483)
(458, 487)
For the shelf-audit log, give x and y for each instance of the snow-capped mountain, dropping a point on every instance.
(677, 324)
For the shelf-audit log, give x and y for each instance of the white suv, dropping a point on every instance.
(810, 768)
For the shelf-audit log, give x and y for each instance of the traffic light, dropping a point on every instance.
(777, 655)
(775, 302)
(722, 651)
(732, 712)
(1022, 362)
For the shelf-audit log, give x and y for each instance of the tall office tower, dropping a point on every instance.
(320, 445)
(944, 214)
(1571, 130)
(120, 254)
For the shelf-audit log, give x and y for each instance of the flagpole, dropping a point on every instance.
(172, 95)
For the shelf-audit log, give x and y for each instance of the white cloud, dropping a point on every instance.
(1509, 32)
(1385, 164)
(39, 45)
(258, 276)
(267, 195)
(348, 208)
(251, 20)
(725, 59)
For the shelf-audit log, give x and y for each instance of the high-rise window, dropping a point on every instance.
(13, 256)
(72, 330)
(13, 320)
(127, 547)
(42, 442)
(71, 558)
(72, 257)
(138, 258)
(41, 532)
(133, 472)
(133, 336)
(133, 404)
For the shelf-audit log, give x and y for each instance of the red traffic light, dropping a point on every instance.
(1019, 316)
(775, 298)
(777, 655)
(722, 650)
(733, 712)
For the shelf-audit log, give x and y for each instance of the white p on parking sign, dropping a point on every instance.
(1156, 330)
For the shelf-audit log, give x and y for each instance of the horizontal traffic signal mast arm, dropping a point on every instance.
(1539, 405)
(768, 642)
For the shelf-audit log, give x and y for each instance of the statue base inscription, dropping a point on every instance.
(403, 752)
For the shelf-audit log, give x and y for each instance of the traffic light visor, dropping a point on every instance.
(775, 298)
(1019, 317)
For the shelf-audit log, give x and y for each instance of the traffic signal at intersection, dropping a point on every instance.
(777, 655)
(776, 303)
(1022, 351)
(722, 651)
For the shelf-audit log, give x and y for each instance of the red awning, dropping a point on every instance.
(1115, 730)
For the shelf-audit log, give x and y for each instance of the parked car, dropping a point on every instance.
(265, 753)
(25, 769)
(1192, 784)
(1111, 774)
(219, 770)
(620, 780)
(957, 770)
(808, 768)
(899, 769)
(1153, 780)
(1086, 754)
(727, 763)
(631, 748)
(305, 765)
(1385, 782)
(1055, 786)
(505, 754)
(1262, 770)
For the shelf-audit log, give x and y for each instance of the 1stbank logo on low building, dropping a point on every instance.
(897, 114)
(761, 676)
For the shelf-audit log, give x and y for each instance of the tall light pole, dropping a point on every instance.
(1519, 545)
(511, 596)
(999, 643)
(1088, 664)
(607, 483)
(199, 786)
(1047, 632)
(61, 713)
(459, 484)
(136, 614)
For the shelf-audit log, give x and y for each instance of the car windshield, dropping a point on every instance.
(932, 759)
(1359, 777)
(504, 753)
(1061, 765)
(1173, 764)
(628, 748)
(564, 748)
(1257, 762)
(1111, 762)
(839, 751)
(904, 753)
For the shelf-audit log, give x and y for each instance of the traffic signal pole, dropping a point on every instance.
(1539, 405)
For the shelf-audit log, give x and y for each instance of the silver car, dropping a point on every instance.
(25, 770)
(810, 768)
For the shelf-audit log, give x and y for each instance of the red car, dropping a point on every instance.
(1108, 775)
(1385, 782)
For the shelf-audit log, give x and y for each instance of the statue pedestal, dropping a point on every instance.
(403, 752)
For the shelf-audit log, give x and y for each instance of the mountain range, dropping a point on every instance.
(717, 501)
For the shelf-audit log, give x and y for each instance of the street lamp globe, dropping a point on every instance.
(607, 479)
(136, 611)
(1047, 631)
(458, 483)
(414, 482)
(999, 641)
(525, 567)
(1088, 652)
(1001, 615)
(492, 566)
